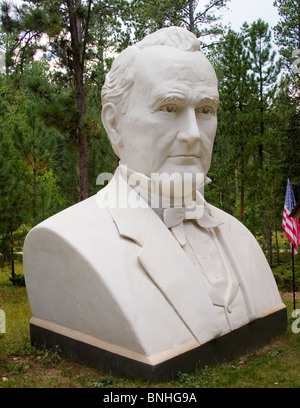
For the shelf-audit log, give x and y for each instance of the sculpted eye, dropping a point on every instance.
(206, 110)
(169, 108)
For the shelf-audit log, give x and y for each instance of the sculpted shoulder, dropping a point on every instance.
(231, 224)
(79, 219)
(84, 212)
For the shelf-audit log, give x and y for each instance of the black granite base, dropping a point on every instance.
(222, 349)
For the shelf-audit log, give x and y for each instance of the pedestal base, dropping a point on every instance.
(117, 361)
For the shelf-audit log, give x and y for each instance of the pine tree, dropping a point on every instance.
(287, 36)
(287, 31)
(14, 198)
(72, 31)
(199, 17)
(266, 72)
(233, 144)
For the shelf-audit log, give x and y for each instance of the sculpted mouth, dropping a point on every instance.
(186, 155)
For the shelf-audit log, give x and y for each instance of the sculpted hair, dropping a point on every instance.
(120, 78)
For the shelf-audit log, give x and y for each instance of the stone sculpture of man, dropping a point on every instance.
(146, 271)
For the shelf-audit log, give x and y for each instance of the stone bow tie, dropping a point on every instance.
(174, 217)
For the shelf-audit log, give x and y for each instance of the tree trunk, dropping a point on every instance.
(268, 235)
(78, 65)
(262, 126)
(34, 173)
(277, 244)
(242, 194)
(34, 190)
(13, 275)
(242, 188)
(191, 16)
(236, 190)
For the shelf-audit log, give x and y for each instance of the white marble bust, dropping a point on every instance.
(135, 276)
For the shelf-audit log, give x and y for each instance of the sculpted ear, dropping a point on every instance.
(110, 119)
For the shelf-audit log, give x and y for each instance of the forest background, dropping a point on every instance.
(55, 55)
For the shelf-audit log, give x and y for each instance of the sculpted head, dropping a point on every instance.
(160, 102)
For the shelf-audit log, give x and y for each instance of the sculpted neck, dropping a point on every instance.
(164, 190)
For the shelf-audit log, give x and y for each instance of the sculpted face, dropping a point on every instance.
(170, 122)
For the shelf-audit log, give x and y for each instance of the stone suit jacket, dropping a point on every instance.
(108, 271)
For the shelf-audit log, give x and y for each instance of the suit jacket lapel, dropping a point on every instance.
(164, 260)
(129, 212)
(169, 268)
(237, 248)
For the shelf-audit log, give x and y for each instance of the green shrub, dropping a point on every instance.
(18, 280)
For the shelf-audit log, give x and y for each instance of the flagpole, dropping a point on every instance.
(293, 268)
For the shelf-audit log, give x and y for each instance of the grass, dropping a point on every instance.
(276, 365)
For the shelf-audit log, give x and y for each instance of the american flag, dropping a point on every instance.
(290, 224)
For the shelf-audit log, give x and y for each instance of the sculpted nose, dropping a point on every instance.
(189, 130)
